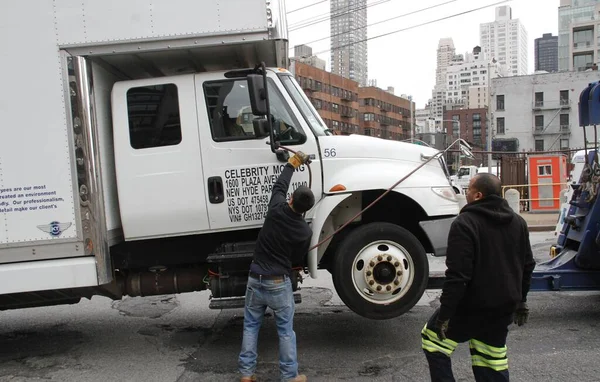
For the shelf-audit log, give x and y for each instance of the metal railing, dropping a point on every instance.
(514, 186)
(525, 201)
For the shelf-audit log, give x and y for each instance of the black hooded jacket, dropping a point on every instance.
(285, 237)
(489, 260)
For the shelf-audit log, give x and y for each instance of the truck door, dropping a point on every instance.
(158, 161)
(239, 166)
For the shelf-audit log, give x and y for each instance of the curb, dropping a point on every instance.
(542, 228)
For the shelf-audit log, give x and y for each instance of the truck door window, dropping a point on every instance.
(153, 113)
(231, 117)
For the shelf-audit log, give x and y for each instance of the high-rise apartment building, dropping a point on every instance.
(546, 53)
(445, 54)
(304, 53)
(575, 16)
(467, 79)
(348, 39)
(582, 45)
(505, 40)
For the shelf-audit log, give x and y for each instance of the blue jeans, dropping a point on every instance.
(278, 296)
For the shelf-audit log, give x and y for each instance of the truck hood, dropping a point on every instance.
(360, 146)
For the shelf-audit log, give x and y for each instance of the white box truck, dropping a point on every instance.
(135, 160)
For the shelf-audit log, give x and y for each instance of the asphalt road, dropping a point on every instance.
(177, 338)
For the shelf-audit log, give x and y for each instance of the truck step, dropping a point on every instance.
(232, 252)
(232, 256)
(238, 302)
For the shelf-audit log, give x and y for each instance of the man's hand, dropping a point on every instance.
(521, 314)
(440, 328)
(298, 159)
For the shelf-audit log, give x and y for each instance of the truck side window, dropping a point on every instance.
(153, 116)
(230, 114)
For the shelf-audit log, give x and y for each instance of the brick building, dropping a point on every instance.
(383, 114)
(347, 108)
(334, 97)
(470, 122)
(472, 126)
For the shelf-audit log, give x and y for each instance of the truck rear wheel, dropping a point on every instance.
(380, 271)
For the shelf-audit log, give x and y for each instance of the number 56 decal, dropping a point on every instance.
(329, 153)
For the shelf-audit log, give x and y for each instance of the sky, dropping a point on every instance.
(407, 60)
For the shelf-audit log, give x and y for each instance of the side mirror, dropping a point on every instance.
(465, 148)
(261, 127)
(258, 99)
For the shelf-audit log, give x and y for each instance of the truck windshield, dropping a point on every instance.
(306, 108)
(464, 171)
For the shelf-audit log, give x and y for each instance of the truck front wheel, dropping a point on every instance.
(380, 271)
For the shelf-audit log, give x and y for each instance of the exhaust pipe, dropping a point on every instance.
(160, 280)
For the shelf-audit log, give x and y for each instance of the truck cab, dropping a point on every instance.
(171, 146)
(464, 176)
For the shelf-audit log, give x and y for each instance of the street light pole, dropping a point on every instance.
(458, 162)
(412, 125)
(457, 121)
(488, 126)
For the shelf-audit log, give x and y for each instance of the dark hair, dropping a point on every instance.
(303, 199)
(487, 184)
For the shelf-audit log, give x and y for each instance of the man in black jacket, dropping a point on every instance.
(283, 241)
(489, 265)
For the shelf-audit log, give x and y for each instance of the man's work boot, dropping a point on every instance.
(248, 379)
(299, 378)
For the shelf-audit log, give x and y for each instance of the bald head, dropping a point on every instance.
(487, 184)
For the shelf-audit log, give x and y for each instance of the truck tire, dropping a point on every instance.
(380, 271)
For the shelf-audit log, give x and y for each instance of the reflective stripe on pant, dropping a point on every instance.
(487, 344)
(438, 354)
(488, 361)
(431, 342)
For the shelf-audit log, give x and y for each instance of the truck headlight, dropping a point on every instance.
(445, 192)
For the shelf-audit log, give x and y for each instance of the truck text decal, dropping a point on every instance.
(248, 191)
(28, 198)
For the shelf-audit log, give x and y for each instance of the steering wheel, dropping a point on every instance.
(288, 130)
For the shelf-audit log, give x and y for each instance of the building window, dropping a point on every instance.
(500, 102)
(564, 121)
(564, 97)
(583, 61)
(583, 38)
(539, 122)
(539, 99)
(500, 125)
(564, 144)
(369, 117)
(153, 113)
(539, 145)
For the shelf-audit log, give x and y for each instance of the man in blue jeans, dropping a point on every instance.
(282, 242)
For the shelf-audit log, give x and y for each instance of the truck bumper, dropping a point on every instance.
(437, 233)
(48, 275)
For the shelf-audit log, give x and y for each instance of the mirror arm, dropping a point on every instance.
(274, 145)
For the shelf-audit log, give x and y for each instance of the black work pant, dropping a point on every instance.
(486, 334)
